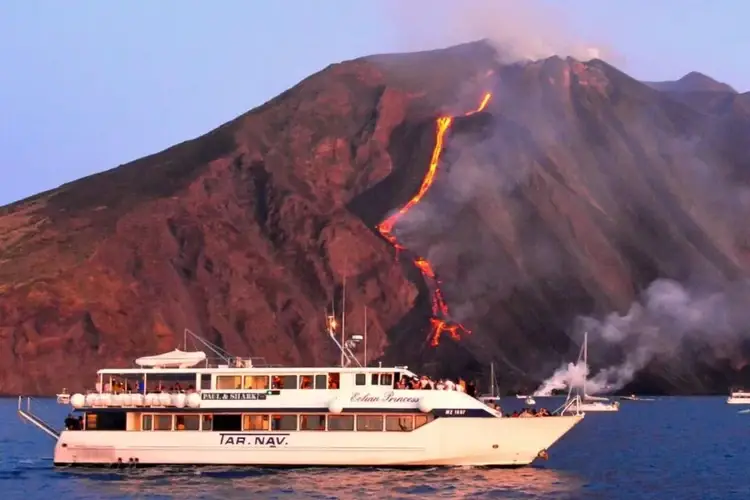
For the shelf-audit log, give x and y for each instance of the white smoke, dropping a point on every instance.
(521, 30)
(668, 319)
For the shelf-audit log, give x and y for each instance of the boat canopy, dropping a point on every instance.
(172, 359)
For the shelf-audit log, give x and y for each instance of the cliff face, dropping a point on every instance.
(572, 191)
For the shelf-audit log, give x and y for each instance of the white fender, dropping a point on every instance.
(78, 400)
(424, 405)
(194, 400)
(165, 399)
(335, 406)
(178, 400)
(136, 399)
(92, 399)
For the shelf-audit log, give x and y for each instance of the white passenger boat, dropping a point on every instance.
(739, 397)
(169, 411)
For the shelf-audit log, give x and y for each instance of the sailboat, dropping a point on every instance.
(494, 394)
(593, 403)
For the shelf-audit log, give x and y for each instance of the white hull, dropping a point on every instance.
(443, 442)
(597, 406)
(738, 400)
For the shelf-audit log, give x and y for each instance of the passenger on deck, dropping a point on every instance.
(471, 389)
(71, 423)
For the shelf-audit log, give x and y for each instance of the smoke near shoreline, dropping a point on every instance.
(667, 319)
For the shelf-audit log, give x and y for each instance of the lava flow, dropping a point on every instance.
(440, 321)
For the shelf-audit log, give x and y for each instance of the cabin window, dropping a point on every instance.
(375, 379)
(312, 422)
(231, 422)
(369, 422)
(256, 382)
(396, 423)
(321, 382)
(420, 420)
(360, 379)
(90, 421)
(106, 421)
(146, 422)
(305, 381)
(205, 382)
(207, 423)
(284, 422)
(340, 422)
(229, 382)
(255, 422)
(187, 422)
(284, 382)
(334, 380)
(162, 422)
(386, 379)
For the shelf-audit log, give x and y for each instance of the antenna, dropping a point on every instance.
(343, 312)
(347, 355)
(365, 335)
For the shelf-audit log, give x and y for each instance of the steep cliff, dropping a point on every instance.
(571, 191)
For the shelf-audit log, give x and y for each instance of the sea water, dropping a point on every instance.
(671, 448)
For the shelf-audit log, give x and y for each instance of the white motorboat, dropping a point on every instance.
(738, 397)
(530, 401)
(63, 397)
(169, 412)
(633, 397)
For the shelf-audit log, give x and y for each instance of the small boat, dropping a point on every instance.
(588, 402)
(63, 398)
(739, 397)
(530, 401)
(633, 397)
(494, 395)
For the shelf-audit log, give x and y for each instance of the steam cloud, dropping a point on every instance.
(667, 319)
(685, 191)
(520, 30)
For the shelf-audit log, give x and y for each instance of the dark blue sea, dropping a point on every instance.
(672, 448)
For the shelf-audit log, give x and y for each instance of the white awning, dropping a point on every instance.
(172, 359)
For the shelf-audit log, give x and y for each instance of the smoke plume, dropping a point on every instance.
(668, 319)
(520, 30)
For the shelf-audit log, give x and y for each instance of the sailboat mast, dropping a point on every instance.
(492, 379)
(343, 319)
(585, 360)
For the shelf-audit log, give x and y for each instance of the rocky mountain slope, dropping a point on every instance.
(568, 194)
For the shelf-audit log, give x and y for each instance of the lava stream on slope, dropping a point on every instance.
(440, 321)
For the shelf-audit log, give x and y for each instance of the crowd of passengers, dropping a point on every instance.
(405, 382)
(425, 383)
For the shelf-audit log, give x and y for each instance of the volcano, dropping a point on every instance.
(558, 188)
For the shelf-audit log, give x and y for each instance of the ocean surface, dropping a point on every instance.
(672, 448)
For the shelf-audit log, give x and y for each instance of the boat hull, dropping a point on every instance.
(594, 407)
(504, 442)
(738, 401)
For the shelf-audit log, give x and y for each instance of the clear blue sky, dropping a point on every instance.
(87, 85)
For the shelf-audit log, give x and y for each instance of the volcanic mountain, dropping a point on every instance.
(558, 189)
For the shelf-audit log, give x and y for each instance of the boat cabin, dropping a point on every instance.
(187, 380)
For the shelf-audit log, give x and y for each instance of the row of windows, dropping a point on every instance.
(322, 381)
(281, 422)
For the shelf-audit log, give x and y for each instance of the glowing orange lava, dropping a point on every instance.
(440, 321)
